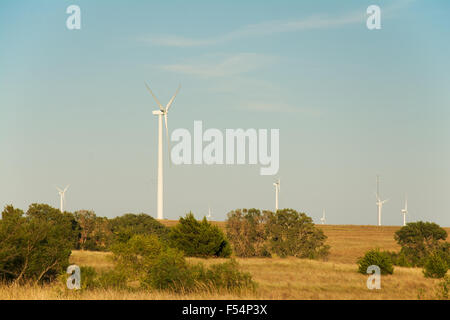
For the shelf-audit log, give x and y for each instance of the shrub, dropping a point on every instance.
(399, 259)
(94, 232)
(155, 265)
(128, 225)
(435, 266)
(112, 279)
(169, 270)
(88, 277)
(294, 234)
(443, 289)
(201, 239)
(227, 275)
(246, 231)
(35, 246)
(136, 256)
(419, 239)
(377, 258)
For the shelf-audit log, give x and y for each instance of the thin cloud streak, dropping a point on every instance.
(230, 66)
(279, 107)
(273, 27)
(257, 30)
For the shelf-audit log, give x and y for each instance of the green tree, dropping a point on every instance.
(294, 234)
(419, 239)
(35, 246)
(94, 232)
(246, 231)
(197, 238)
(128, 225)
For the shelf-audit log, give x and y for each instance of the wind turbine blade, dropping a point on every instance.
(173, 98)
(154, 97)
(58, 189)
(67, 187)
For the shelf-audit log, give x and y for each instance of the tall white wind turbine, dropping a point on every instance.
(160, 113)
(209, 214)
(379, 201)
(277, 190)
(62, 197)
(323, 217)
(405, 211)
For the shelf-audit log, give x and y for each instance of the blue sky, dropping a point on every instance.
(350, 103)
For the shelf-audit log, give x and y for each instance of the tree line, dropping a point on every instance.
(36, 244)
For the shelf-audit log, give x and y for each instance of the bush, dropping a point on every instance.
(35, 246)
(247, 233)
(112, 279)
(136, 256)
(199, 239)
(227, 275)
(377, 258)
(435, 266)
(443, 289)
(155, 265)
(419, 239)
(285, 233)
(94, 232)
(399, 259)
(294, 234)
(169, 270)
(88, 277)
(128, 225)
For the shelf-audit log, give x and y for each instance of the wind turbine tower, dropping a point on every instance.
(209, 214)
(323, 217)
(160, 113)
(277, 191)
(379, 201)
(62, 197)
(405, 211)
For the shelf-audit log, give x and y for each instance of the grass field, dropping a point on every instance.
(277, 278)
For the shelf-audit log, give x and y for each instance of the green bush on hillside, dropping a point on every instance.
(435, 266)
(199, 238)
(377, 258)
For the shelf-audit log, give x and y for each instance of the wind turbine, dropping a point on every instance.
(277, 190)
(405, 211)
(62, 197)
(209, 214)
(379, 201)
(323, 217)
(160, 113)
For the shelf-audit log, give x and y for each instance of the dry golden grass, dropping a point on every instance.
(277, 278)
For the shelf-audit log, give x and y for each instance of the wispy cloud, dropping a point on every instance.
(273, 27)
(279, 107)
(257, 30)
(227, 66)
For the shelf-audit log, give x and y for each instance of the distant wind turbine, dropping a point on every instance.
(379, 201)
(160, 113)
(277, 190)
(62, 197)
(323, 217)
(405, 211)
(209, 214)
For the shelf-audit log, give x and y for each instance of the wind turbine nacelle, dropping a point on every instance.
(157, 112)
